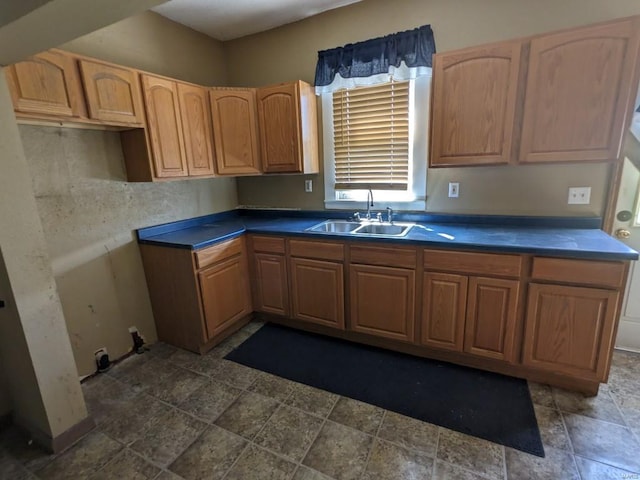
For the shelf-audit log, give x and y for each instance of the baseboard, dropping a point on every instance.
(62, 441)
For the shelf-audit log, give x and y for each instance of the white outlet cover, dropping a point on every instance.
(308, 186)
(579, 196)
(454, 189)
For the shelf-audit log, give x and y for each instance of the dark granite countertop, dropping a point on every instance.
(554, 236)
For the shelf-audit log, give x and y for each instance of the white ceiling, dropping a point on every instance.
(229, 19)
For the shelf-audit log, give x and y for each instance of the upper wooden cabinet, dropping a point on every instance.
(164, 127)
(113, 93)
(558, 97)
(474, 105)
(47, 84)
(288, 128)
(196, 129)
(578, 95)
(177, 141)
(235, 133)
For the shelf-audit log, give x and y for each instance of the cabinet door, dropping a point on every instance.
(578, 93)
(112, 93)
(225, 294)
(474, 104)
(164, 127)
(444, 298)
(196, 129)
(491, 318)
(569, 330)
(383, 301)
(279, 120)
(324, 305)
(271, 289)
(235, 131)
(47, 83)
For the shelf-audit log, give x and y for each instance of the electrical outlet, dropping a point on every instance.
(100, 351)
(133, 329)
(454, 189)
(308, 186)
(579, 196)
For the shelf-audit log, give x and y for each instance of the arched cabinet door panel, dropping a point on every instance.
(578, 92)
(47, 83)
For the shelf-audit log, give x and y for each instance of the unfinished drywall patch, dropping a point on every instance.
(89, 213)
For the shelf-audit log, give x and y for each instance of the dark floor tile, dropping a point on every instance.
(108, 399)
(205, 365)
(162, 350)
(253, 326)
(133, 418)
(11, 469)
(289, 432)
(471, 453)
(258, 464)
(409, 432)
(210, 400)
(446, 471)
(83, 459)
(237, 339)
(273, 386)
(629, 405)
(17, 444)
(603, 442)
(210, 456)
(125, 367)
(358, 415)
(305, 473)
(127, 465)
(391, 462)
(248, 414)
(556, 465)
(590, 470)
(163, 442)
(312, 400)
(183, 358)
(601, 407)
(552, 428)
(177, 387)
(235, 374)
(340, 452)
(150, 374)
(167, 475)
(541, 394)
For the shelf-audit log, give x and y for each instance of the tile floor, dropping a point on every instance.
(170, 414)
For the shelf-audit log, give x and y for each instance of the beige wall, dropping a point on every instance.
(153, 43)
(290, 52)
(89, 211)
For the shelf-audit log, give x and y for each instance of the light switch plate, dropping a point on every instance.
(579, 196)
(308, 186)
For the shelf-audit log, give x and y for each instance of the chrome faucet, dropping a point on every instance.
(369, 203)
(389, 215)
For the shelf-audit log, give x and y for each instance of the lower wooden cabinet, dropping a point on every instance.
(491, 317)
(225, 293)
(444, 307)
(198, 298)
(570, 330)
(317, 289)
(383, 301)
(271, 289)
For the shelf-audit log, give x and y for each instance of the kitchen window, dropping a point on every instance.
(376, 136)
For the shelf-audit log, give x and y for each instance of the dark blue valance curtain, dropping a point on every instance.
(372, 57)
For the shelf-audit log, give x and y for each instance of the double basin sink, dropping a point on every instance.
(362, 228)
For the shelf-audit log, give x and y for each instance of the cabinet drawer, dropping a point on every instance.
(473, 263)
(581, 272)
(393, 257)
(218, 252)
(267, 244)
(320, 250)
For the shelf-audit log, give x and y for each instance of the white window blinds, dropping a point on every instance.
(371, 137)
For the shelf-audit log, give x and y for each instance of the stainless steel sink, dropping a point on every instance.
(335, 226)
(388, 229)
(364, 229)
